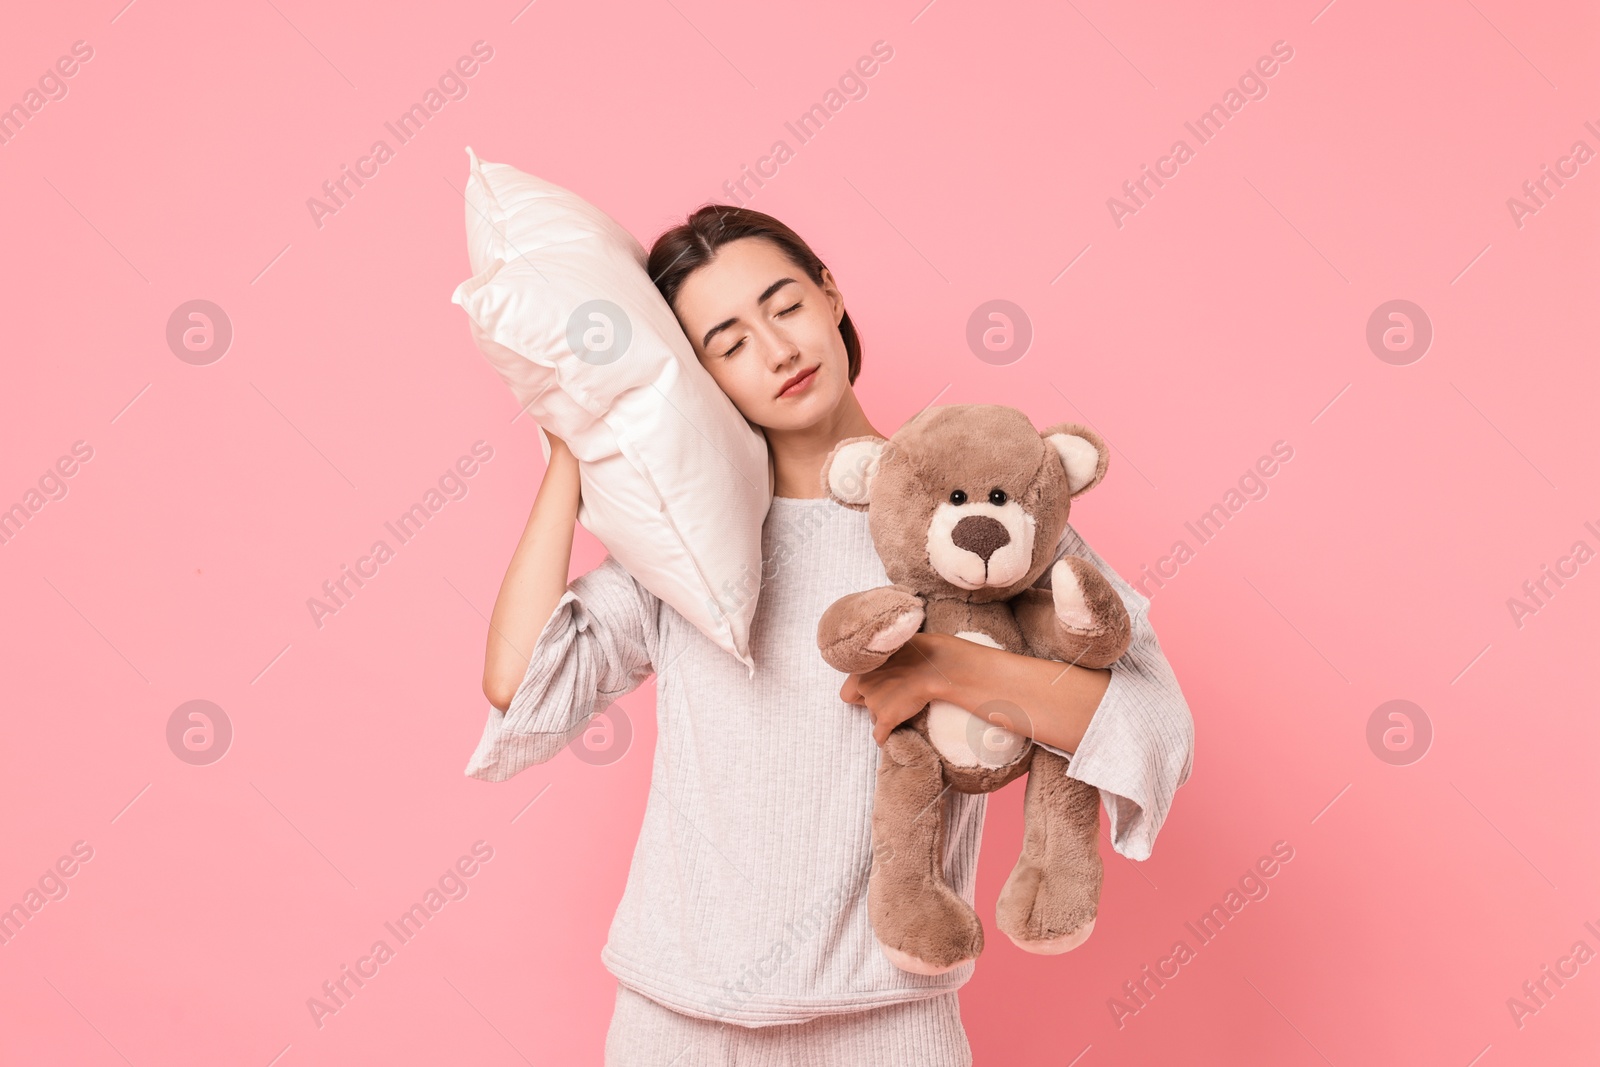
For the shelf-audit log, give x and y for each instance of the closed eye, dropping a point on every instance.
(785, 311)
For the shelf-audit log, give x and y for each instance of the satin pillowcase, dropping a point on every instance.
(675, 480)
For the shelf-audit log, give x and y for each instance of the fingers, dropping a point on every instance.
(882, 721)
(890, 697)
(888, 722)
(891, 711)
(850, 691)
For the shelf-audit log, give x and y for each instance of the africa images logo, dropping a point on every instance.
(451, 85)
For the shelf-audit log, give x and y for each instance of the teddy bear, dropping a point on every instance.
(966, 506)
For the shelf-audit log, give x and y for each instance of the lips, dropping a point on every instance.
(798, 380)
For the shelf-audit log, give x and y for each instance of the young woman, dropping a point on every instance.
(742, 935)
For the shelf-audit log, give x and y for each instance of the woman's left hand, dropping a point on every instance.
(1049, 701)
(902, 685)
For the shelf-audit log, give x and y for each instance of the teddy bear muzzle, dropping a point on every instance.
(979, 544)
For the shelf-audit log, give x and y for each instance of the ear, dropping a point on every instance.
(848, 471)
(1083, 453)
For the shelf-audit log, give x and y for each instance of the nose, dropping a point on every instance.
(981, 535)
(782, 350)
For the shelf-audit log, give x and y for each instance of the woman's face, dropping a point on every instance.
(759, 324)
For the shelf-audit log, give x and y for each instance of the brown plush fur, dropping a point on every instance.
(1001, 549)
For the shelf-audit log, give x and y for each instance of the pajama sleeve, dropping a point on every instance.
(598, 644)
(1139, 746)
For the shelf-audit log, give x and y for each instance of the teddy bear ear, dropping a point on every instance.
(1083, 453)
(848, 471)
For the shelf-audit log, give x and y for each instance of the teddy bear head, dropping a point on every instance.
(966, 501)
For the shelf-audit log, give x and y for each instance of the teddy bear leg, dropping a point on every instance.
(921, 924)
(1049, 903)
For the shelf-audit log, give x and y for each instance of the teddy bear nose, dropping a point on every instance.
(980, 535)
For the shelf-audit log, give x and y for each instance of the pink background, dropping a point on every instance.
(1229, 313)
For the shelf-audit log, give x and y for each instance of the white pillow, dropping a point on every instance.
(675, 480)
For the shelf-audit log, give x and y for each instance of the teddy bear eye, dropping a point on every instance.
(958, 496)
(997, 496)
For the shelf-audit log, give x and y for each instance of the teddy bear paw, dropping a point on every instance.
(1071, 607)
(907, 962)
(892, 637)
(1050, 909)
(924, 930)
(1054, 946)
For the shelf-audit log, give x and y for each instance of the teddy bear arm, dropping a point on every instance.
(1080, 619)
(860, 631)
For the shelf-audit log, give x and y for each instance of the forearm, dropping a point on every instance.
(535, 578)
(1050, 701)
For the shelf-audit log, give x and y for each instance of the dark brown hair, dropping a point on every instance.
(684, 249)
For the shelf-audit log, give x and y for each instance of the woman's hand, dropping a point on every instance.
(1049, 701)
(902, 685)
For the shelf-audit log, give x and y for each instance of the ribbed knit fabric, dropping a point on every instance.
(916, 1033)
(747, 898)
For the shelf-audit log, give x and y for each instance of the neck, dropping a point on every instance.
(795, 456)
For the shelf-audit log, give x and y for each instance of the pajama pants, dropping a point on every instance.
(917, 1033)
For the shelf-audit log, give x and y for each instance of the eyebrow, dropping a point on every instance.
(705, 342)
